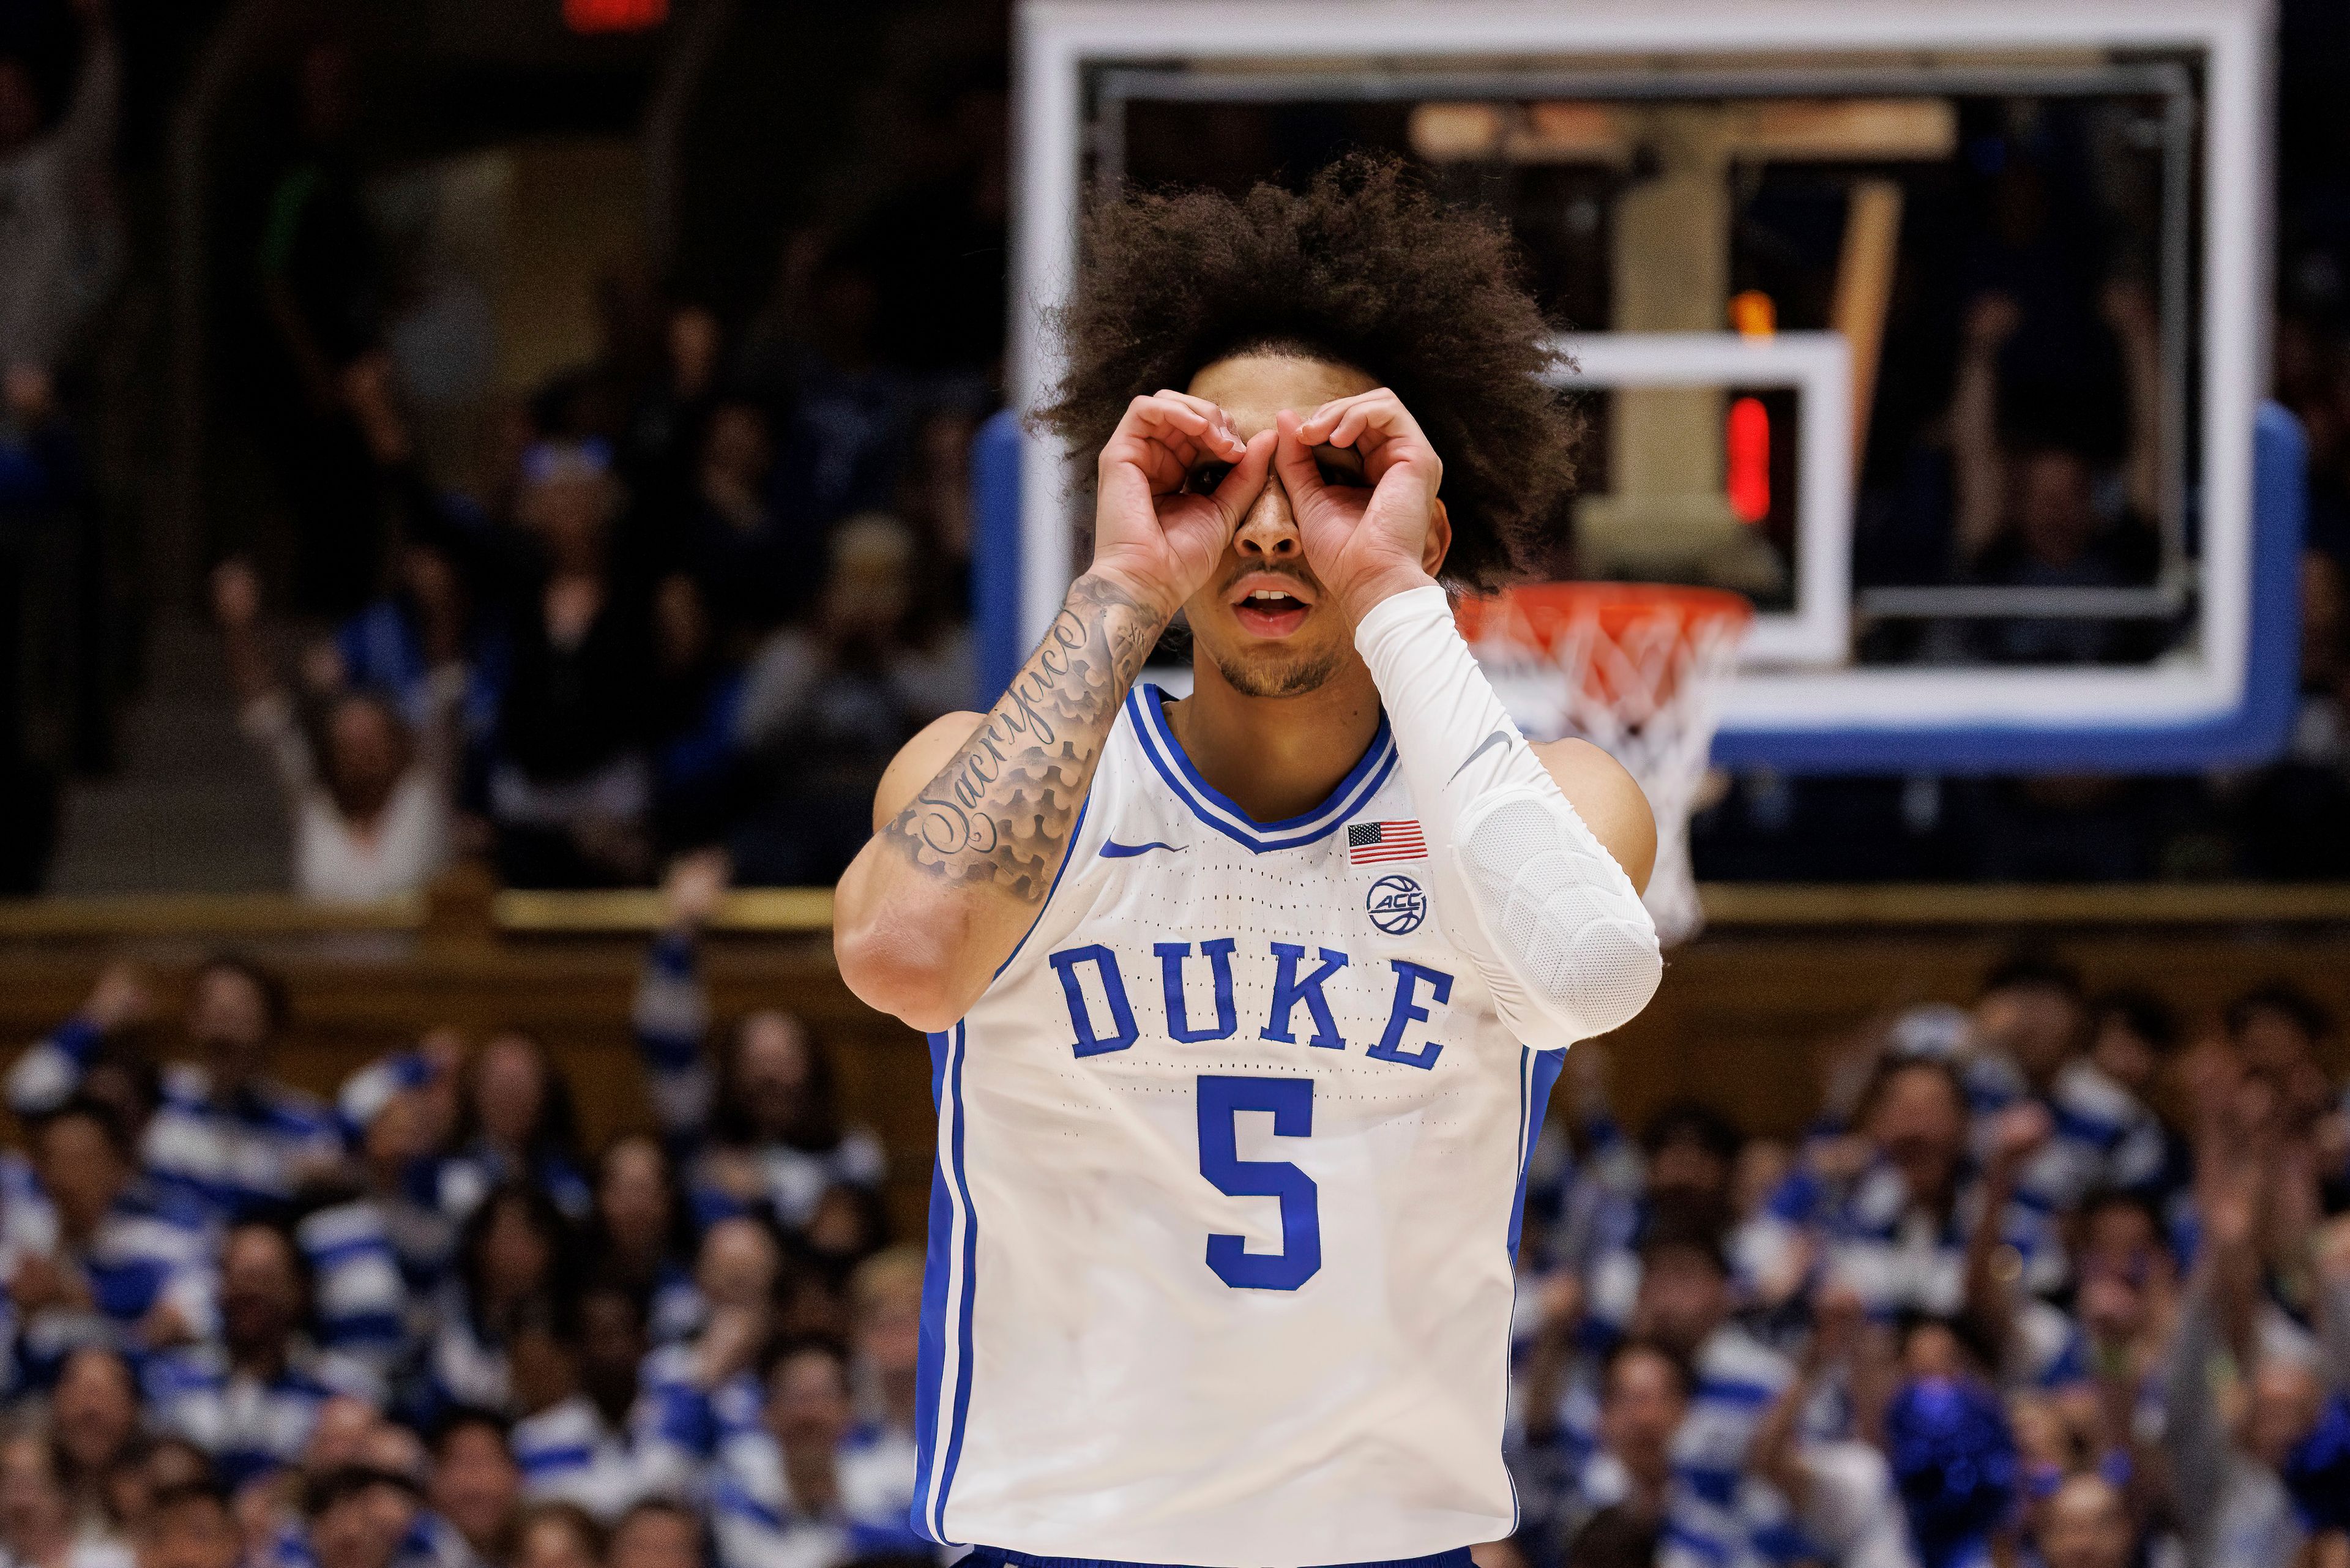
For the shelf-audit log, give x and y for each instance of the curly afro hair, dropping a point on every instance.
(1363, 268)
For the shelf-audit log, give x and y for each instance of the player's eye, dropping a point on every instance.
(1203, 479)
(1336, 474)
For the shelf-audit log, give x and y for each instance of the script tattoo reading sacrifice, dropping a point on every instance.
(1002, 811)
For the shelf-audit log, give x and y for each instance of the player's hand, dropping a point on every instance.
(1174, 482)
(1366, 544)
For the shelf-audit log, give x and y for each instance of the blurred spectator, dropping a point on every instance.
(345, 1524)
(476, 1488)
(1895, 1209)
(514, 1261)
(887, 1294)
(807, 1488)
(1951, 1451)
(54, 217)
(103, 1257)
(640, 1234)
(516, 1122)
(765, 1126)
(2087, 1525)
(749, 564)
(837, 449)
(37, 1521)
(592, 1446)
(2030, 1044)
(226, 1138)
(250, 1398)
(558, 1535)
(95, 1413)
(190, 1526)
(571, 790)
(656, 1532)
(369, 797)
(826, 706)
(699, 774)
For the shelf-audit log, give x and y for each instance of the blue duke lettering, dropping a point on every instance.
(1102, 1017)
(1288, 990)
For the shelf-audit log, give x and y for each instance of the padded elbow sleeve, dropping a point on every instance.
(1584, 953)
(1557, 928)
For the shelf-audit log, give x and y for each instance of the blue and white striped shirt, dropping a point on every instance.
(759, 1524)
(2102, 1136)
(673, 1431)
(361, 1299)
(241, 1160)
(237, 1160)
(151, 1248)
(569, 1451)
(671, 1016)
(248, 1425)
(1896, 1256)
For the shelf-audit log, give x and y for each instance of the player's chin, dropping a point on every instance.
(1257, 667)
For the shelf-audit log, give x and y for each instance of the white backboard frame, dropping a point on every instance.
(1818, 365)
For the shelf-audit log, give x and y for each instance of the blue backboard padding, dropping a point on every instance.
(995, 553)
(2255, 731)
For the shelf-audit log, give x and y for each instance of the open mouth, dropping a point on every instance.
(1267, 609)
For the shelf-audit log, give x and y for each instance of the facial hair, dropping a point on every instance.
(1288, 678)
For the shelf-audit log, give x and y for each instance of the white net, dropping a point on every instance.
(1636, 672)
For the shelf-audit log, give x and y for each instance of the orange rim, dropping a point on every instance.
(1542, 610)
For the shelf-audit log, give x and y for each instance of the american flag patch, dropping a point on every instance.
(1370, 841)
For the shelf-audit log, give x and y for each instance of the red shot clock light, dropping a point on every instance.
(614, 15)
(1747, 469)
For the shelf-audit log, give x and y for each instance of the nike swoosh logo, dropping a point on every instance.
(1112, 849)
(1498, 738)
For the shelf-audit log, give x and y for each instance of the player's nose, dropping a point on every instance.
(1269, 531)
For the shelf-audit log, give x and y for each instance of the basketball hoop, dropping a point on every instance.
(1636, 669)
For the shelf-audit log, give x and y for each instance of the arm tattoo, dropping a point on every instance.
(1002, 812)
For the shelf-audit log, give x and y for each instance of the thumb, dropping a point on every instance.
(1294, 461)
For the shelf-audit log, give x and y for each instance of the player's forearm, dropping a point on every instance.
(946, 888)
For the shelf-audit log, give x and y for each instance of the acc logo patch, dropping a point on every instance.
(1396, 905)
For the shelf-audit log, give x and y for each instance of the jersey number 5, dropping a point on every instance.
(1291, 1103)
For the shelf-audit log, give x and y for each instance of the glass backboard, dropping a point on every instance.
(1934, 329)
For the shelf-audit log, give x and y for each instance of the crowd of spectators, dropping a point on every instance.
(709, 584)
(420, 1326)
(2051, 1280)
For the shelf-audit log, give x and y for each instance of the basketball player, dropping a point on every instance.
(1244, 1009)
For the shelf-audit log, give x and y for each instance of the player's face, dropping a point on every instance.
(1264, 620)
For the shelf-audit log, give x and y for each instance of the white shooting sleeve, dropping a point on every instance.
(1555, 927)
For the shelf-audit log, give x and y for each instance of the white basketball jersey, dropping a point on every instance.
(1230, 1169)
